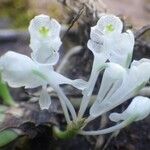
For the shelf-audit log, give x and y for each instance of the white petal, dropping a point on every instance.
(116, 117)
(58, 79)
(95, 34)
(45, 47)
(35, 44)
(95, 47)
(124, 49)
(79, 84)
(19, 70)
(99, 61)
(102, 43)
(44, 100)
(114, 88)
(139, 107)
(138, 62)
(112, 74)
(46, 52)
(51, 27)
(50, 44)
(44, 58)
(95, 44)
(107, 21)
(115, 71)
(143, 69)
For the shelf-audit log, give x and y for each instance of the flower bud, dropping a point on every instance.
(139, 109)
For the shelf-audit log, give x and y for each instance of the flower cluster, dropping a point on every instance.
(19, 70)
(112, 49)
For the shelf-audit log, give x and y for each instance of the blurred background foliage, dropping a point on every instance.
(21, 11)
(18, 11)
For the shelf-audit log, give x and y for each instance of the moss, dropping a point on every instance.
(18, 11)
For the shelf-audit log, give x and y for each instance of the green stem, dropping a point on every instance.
(71, 131)
(67, 134)
(5, 95)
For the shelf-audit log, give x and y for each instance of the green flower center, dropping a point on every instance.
(109, 28)
(44, 31)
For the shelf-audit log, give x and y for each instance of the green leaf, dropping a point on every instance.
(5, 94)
(8, 135)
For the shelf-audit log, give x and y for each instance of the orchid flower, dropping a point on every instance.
(19, 70)
(45, 39)
(133, 81)
(112, 49)
(119, 83)
(107, 43)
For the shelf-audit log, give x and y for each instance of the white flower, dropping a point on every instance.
(104, 33)
(19, 70)
(104, 39)
(109, 24)
(134, 80)
(45, 39)
(112, 78)
(139, 109)
(43, 27)
(108, 40)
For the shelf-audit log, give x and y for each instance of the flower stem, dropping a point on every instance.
(111, 129)
(67, 101)
(96, 69)
(63, 104)
(88, 91)
(71, 131)
(87, 95)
